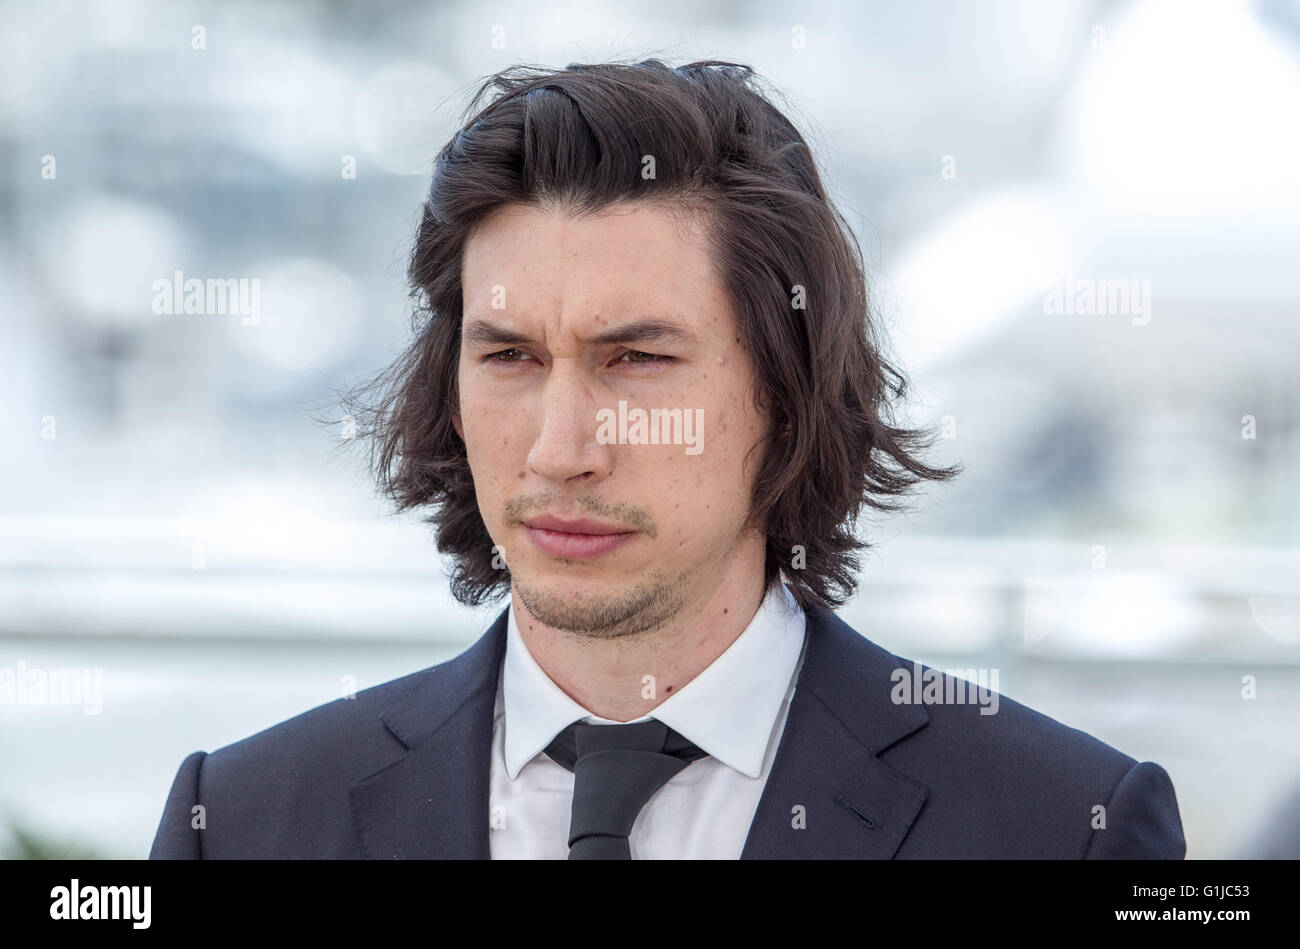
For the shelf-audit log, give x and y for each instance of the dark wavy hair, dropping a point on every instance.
(577, 140)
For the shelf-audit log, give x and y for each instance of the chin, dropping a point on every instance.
(585, 581)
(580, 580)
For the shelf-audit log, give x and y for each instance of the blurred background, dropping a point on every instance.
(1081, 222)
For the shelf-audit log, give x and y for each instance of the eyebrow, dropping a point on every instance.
(485, 333)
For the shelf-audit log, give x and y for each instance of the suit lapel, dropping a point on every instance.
(826, 775)
(431, 800)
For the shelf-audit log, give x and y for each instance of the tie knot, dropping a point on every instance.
(581, 739)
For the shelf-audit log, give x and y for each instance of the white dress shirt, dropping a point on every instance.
(735, 710)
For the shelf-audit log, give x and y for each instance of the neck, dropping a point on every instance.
(608, 676)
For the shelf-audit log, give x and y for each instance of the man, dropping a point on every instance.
(645, 400)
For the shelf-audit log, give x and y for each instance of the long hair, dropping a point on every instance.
(580, 140)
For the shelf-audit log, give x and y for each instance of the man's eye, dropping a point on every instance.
(645, 358)
(504, 355)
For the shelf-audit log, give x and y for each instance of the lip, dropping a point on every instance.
(578, 540)
(580, 526)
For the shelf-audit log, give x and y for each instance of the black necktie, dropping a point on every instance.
(616, 768)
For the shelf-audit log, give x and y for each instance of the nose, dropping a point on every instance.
(565, 450)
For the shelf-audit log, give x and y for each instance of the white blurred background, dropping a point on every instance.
(1125, 544)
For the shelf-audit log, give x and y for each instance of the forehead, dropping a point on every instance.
(631, 258)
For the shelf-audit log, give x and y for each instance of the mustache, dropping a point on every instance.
(521, 506)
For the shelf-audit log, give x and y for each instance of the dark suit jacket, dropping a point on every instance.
(402, 771)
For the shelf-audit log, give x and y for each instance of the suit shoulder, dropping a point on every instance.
(288, 790)
(973, 718)
(332, 734)
(1005, 780)
(969, 719)
(1041, 788)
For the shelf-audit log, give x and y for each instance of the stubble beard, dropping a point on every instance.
(647, 607)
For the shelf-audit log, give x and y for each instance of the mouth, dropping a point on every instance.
(581, 539)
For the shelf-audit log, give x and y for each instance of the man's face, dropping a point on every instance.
(548, 354)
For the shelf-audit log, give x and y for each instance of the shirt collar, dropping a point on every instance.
(729, 710)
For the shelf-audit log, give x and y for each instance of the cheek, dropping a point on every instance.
(492, 424)
(492, 451)
(730, 458)
(703, 495)
(496, 456)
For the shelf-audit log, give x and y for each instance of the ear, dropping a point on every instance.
(455, 421)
